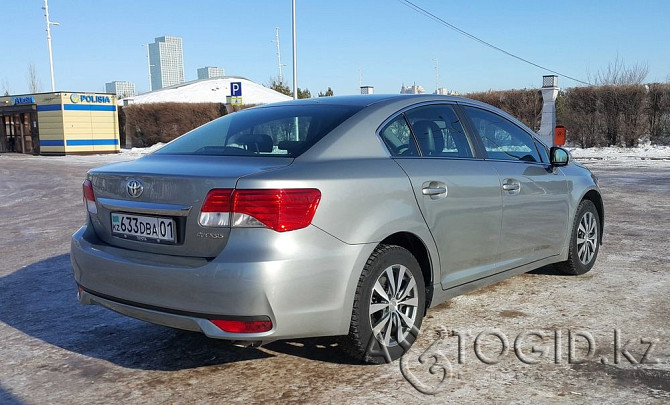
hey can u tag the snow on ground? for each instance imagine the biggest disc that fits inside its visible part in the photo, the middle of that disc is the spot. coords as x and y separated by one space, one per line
645 151
139 152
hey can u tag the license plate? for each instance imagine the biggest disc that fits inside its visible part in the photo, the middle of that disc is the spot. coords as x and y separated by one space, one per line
142 228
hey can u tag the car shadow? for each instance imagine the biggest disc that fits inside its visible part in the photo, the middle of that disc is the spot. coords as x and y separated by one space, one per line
40 301
7 398
327 349
548 270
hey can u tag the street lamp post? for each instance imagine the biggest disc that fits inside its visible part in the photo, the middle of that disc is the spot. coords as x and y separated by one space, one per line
51 58
149 66
295 63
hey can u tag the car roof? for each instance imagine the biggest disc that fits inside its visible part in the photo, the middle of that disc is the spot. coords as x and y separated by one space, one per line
364 100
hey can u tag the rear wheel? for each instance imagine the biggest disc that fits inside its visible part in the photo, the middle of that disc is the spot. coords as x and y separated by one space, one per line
388 307
584 241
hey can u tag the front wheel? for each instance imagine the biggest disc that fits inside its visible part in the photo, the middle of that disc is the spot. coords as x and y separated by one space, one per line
388 307
584 241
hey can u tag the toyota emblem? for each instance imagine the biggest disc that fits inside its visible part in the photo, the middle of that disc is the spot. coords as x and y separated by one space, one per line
134 188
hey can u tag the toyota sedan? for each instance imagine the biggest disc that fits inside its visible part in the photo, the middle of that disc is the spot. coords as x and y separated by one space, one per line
339 216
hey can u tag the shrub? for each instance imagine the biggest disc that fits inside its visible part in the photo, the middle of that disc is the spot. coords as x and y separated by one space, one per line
524 105
583 118
148 124
657 111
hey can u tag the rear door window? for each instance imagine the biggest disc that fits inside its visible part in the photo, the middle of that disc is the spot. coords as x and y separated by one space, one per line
439 132
398 137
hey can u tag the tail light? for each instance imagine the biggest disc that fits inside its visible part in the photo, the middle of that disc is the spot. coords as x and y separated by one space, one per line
278 209
231 326
216 209
89 197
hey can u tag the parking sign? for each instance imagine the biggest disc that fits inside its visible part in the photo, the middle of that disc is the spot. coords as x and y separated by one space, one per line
236 89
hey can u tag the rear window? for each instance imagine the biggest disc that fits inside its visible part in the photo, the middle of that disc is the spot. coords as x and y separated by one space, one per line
282 131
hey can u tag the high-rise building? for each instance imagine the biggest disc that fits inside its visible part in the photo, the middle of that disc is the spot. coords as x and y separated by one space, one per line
166 60
209 72
120 88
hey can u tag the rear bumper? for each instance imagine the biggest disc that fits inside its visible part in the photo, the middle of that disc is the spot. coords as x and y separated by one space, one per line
303 281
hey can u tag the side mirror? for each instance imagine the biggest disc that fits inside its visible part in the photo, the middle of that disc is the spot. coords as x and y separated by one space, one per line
559 135
558 156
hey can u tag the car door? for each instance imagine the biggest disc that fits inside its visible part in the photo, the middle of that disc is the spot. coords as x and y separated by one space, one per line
535 195
459 196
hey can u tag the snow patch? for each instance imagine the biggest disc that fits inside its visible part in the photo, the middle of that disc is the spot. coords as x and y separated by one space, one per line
645 151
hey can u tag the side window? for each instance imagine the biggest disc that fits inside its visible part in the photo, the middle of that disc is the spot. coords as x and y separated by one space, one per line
438 132
398 138
502 139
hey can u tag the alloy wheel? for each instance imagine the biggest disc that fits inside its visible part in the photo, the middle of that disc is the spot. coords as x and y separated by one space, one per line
394 305
587 238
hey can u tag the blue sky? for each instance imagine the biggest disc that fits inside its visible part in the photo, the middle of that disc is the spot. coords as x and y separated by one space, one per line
100 41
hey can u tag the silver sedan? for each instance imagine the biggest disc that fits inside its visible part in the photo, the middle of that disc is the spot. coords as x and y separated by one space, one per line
332 216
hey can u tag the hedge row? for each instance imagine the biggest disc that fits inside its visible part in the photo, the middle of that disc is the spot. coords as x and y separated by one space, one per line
524 105
148 124
593 116
596 116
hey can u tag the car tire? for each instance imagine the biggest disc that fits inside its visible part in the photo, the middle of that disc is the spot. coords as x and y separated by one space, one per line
584 241
388 306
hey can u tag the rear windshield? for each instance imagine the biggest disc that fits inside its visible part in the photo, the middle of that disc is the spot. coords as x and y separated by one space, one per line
282 131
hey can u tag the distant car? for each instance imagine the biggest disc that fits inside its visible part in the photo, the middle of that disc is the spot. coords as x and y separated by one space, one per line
332 216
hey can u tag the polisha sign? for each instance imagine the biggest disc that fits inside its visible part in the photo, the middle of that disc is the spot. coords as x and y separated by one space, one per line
24 100
87 98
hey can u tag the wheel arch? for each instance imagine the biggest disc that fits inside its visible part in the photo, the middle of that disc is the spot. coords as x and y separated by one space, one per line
419 250
597 200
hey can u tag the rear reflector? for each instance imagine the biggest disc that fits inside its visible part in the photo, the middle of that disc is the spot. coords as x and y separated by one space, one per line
278 209
89 197
242 326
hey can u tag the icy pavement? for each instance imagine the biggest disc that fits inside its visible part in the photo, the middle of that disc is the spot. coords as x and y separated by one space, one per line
56 351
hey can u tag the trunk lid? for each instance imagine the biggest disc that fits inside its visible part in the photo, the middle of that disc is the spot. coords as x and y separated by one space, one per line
173 188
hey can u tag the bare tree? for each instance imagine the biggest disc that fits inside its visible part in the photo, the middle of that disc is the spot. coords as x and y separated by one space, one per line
34 84
618 73
6 88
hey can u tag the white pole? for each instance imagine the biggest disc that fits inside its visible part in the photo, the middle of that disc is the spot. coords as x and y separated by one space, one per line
51 59
295 63
149 67
437 75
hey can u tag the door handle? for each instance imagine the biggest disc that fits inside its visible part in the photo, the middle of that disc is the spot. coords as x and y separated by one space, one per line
433 190
510 187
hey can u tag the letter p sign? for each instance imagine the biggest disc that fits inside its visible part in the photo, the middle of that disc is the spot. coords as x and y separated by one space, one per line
236 89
